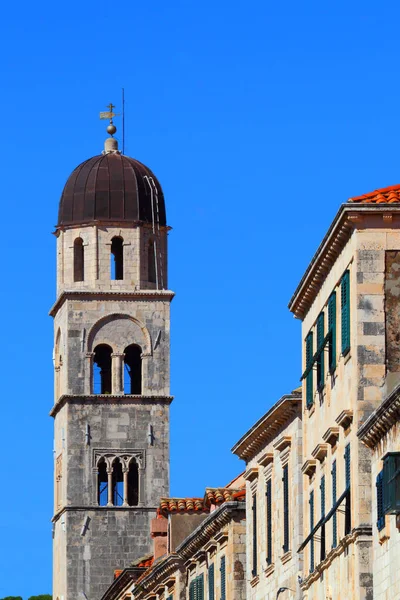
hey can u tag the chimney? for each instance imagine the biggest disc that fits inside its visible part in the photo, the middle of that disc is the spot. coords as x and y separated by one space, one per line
159 529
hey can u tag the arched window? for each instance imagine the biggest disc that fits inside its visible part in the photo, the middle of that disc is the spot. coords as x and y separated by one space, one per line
102 483
117 483
133 484
117 258
133 370
151 263
102 369
79 260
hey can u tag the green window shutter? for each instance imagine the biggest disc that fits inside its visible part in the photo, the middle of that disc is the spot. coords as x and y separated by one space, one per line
309 379
345 298
311 502
320 349
211 582
269 521
254 509
380 523
347 465
322 491
332 331
200 587
391 483
223 579
285 480
334 498
192 590
347 516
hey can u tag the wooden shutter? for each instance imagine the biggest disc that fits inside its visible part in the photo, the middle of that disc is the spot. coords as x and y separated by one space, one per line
309 379
211 582
223 579
254 509
380 523
320 350
345 299
200 587
285 480
334 498
269 521
332 331
311 501
347 516
391 483
322 492
192 590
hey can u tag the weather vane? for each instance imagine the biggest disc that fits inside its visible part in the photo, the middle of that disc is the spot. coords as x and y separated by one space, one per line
111 129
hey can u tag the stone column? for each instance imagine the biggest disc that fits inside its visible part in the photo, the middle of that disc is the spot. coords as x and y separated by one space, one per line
89 374
141 482
125 474
109 489
117 380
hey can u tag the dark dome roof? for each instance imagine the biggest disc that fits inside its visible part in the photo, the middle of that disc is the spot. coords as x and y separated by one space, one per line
108 188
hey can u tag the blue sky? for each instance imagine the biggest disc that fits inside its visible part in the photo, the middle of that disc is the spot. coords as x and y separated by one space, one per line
259 119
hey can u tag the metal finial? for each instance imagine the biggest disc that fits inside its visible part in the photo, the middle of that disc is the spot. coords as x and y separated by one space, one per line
111 129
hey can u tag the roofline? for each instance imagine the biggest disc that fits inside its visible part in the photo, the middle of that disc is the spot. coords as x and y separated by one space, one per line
381 420
332 244
161 568
244 448
128 576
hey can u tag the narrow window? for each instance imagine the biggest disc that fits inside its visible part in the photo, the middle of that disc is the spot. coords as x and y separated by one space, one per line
79 260
347 516
334 498
345 299
151 263
133 484
102 369
117 258
391 483
117 483
311 501
269 521
320 350
380 523
211 582
322 490
192 590
102 483
285 480
223 578
200 587
133 370
254 509
332 331
309 378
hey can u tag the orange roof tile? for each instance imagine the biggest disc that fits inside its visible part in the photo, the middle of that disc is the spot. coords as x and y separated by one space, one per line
387 195
178 505
218 496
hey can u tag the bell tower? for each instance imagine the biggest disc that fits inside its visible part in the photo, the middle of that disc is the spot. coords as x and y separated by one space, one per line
111 360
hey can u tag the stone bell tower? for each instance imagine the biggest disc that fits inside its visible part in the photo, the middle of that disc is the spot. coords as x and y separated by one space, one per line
111 359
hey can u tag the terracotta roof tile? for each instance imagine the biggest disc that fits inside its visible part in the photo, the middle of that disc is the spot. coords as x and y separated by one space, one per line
218 496
180 505
388 195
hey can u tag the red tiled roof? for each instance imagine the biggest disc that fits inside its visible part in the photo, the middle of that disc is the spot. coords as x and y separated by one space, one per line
174 505
388 195
218 496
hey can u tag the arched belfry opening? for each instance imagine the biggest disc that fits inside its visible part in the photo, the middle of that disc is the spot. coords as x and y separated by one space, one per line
79 260
102 483
117 483
133 370
151 262
133 484
102 369
117 258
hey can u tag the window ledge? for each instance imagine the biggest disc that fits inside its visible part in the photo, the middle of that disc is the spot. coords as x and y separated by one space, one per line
254 581
347 357
286 557
311 409
269 570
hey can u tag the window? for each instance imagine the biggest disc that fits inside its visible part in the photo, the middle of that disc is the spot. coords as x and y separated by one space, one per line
133 370
285 480
196 588
151 263
391 483
133 484
345 299
380 523
192 590
223 578
332 331
254 509
334 498
102 369
347 518
311 502
309 377
211 582
117 258
79 260
269 521
320 350
322 491
102 487
117 483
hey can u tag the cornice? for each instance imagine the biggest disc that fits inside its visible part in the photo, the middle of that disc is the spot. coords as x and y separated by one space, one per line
99 223
381 420
266 428
337 236
159 571
119 585
108 399
86 508
109 295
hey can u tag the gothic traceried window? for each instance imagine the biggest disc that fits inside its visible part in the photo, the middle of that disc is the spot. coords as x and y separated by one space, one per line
117 483
102 486
133 370
102 369
133 484
117 480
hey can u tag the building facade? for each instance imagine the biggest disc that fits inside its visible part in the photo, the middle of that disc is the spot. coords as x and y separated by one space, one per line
111 359
272 450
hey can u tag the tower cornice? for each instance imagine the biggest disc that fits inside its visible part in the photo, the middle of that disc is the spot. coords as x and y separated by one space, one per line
109 295
108 399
